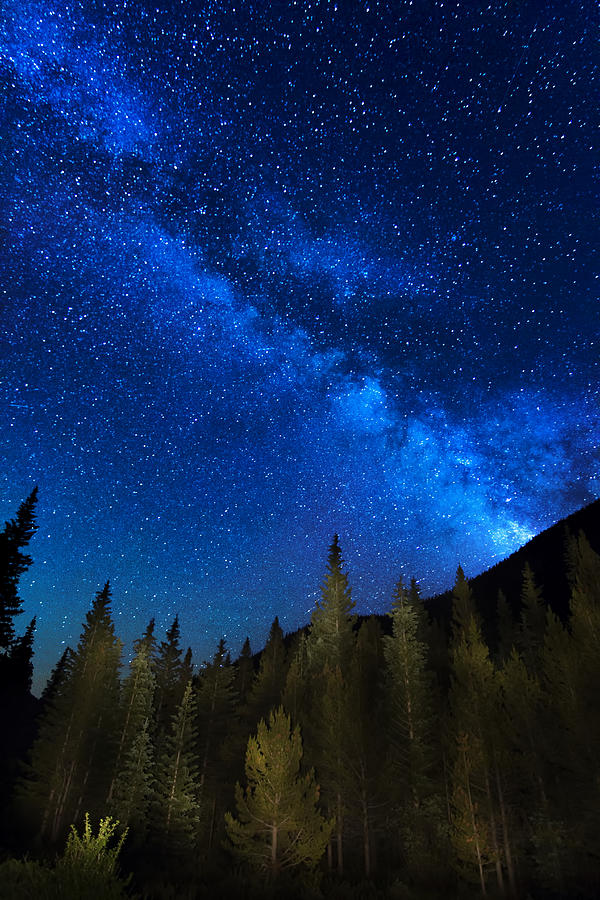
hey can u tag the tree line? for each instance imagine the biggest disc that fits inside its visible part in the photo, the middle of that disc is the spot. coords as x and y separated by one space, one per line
352 759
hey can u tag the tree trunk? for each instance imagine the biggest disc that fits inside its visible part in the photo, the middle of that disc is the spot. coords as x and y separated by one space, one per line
512 880
340 844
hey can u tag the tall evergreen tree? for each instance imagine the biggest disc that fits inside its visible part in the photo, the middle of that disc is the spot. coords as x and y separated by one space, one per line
367 788
331 641
135 709
72 758
533 619
174 812
21 661
168 670
132 789
244 671
14 562
278 825
269 681
475 701
413 752
59 674
148 640
220 743
329 649
463 604
296 693
506 628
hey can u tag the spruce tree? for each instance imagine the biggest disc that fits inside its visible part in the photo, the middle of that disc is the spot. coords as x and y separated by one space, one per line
475 701
506 628
244 671
329 649
14 562
21 661
168 671
413 754
220 742
269 681
73 756
296 690
367 788
58 675
463 604
135 708
409 699
278 825
331 641
533 619
148 640
174 807
132 789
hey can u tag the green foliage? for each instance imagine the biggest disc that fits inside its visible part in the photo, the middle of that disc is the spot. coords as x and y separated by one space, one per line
73 757
26 879
463 604
132 788
87 870
87 857
278 825
221 741
533 618
168 670
269 681
409 691
330 639
132 766
174 813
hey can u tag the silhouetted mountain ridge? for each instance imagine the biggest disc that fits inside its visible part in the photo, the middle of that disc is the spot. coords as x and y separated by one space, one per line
545 553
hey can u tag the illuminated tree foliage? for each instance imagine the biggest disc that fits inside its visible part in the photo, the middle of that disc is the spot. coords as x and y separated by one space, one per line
278 825
73 757
174 810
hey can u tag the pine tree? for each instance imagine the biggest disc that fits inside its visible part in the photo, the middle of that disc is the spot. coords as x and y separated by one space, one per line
168 672
409 691
148 640
187 668
329 649
278 825
533 619
367 788
269 681
469 829
475 701
331 641
135 709
21 661
296 693
571 673
58 675
13 563
174 809
463 605
244 671
506 628
220 743
133 785
72 758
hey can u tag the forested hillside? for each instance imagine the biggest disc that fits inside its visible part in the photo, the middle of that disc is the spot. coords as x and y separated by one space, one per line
423 759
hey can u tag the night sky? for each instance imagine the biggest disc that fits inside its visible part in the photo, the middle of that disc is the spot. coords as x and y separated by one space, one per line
275 270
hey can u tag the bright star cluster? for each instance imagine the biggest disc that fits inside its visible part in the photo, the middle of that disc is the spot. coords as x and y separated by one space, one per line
275 270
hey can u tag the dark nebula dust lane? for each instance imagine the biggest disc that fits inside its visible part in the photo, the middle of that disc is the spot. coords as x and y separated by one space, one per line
272 271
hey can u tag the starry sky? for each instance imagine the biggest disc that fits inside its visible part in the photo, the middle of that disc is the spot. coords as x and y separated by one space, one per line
275 270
